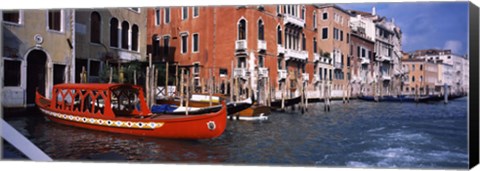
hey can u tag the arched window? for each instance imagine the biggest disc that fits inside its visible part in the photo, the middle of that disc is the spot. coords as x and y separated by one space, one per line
125 27
279 35
304 42
114 32
261 30
135 37
242 30
95 27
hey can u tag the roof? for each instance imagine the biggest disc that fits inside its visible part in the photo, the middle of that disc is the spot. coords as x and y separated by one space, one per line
91 86
332 5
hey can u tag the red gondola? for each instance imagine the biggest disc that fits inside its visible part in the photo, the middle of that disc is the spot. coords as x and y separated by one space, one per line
121 108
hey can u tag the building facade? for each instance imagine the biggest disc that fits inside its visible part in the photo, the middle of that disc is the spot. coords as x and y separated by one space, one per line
334 36
255 44
422 77
37 53
114 36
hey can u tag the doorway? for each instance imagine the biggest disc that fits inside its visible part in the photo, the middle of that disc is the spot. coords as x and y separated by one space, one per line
36 74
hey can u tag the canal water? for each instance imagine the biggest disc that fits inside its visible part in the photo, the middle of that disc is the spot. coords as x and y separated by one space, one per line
360 134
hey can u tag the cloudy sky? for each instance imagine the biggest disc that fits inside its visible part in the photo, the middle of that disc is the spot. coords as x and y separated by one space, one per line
442 25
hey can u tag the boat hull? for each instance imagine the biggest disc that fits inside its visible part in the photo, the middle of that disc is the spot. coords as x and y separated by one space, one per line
192 128
288 102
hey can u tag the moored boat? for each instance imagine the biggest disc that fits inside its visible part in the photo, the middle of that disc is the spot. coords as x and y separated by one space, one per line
121 108
400 98
254 112
287 102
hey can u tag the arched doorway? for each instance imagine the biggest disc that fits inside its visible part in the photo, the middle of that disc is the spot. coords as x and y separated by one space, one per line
36 74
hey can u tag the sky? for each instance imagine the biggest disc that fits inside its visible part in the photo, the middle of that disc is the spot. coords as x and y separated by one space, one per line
440 25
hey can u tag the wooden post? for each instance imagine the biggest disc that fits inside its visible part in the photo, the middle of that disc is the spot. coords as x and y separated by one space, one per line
135 77
155 85
166 80
147 86
188 92
176 78
210 83
181 87
111 75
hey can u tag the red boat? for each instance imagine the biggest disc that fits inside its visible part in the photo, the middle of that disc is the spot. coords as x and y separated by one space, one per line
121 108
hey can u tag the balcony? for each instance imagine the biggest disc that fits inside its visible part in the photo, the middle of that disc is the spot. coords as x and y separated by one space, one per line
383 58
316 57
240 72
386 77
280 50
263 72
282 74
241 45
316 78
365 61
295 54
338 65
305 77
292 20
262 45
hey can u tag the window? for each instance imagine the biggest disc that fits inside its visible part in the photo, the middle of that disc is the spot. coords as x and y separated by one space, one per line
55 20
195 12
157 17
421 67
279 35
114 32
303 12
135 37
314 20
135 9
166 15
196 68
166 45
184 43
125 27
242 30
364 53
278 9
12 16
421 78
341 35
184 13
261 35
95 27
261 61
279 63
315 45
413 78
325 15
223 72
12 77
304 42
195 42
94 68
348 38
320 73
58 74
325 33
413 67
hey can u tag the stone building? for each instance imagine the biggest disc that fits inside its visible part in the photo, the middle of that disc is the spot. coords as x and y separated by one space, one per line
38 52
113 35
421 78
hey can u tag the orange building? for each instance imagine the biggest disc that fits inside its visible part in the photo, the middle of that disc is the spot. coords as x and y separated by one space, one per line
257 42
334 35
422 76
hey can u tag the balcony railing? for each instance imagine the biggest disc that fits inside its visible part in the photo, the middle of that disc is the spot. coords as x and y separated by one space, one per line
338 65
295 54
365 61
280 49
282 74
241 45
383 58
306 77
263 72
262 45
289 19
316 57
240 72
316 78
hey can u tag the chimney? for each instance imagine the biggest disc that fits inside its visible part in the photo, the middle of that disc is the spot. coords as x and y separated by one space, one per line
374 11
